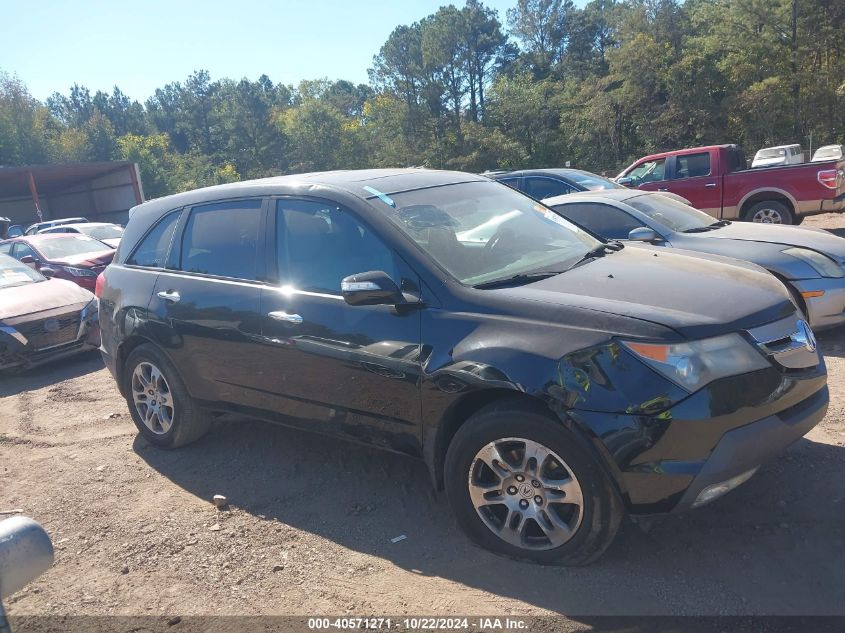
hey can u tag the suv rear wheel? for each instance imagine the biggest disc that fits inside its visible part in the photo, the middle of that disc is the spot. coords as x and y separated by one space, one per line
161 408
522 485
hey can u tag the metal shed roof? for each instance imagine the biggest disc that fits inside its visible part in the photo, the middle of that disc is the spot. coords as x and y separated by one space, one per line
14 181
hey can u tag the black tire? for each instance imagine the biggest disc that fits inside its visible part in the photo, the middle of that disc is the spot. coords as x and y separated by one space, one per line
189 422
771 209
601 512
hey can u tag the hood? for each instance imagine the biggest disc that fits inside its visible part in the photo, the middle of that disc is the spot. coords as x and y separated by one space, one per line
38 297
695 297
817 240
87 260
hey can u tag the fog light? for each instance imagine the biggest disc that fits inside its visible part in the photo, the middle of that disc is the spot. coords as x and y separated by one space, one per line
717 490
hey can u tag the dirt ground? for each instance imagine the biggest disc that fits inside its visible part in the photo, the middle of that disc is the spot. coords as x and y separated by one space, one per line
310 523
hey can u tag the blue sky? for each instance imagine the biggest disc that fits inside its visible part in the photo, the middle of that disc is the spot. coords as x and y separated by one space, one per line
142 45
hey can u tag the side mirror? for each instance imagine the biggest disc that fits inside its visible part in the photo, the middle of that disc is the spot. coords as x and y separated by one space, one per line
642 234
370 289
625 181
29 260
49 273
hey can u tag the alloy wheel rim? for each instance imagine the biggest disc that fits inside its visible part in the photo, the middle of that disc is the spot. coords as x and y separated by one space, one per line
153 398
768 216
525 493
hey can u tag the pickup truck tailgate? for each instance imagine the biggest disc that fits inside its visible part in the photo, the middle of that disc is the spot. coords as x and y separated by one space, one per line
832 178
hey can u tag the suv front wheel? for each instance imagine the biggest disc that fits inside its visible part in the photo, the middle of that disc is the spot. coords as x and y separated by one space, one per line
159 403
523 485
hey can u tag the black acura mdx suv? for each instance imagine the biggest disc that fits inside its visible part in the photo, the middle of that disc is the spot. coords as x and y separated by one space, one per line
550 381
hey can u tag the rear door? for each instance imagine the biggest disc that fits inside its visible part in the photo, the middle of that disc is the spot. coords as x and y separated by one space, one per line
694 176
206 301
327 365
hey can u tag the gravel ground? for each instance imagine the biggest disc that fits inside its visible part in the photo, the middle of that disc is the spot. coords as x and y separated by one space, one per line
309 525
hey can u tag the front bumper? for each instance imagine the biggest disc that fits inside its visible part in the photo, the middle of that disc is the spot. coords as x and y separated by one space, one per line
746 448
32 340
661 462
827 310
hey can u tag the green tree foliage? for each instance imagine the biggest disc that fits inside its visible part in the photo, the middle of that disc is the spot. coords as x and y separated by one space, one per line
596 86
25 125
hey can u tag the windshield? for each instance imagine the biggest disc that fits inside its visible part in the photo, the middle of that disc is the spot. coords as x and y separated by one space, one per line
828 152
14 273
771 153
481 231
107 232
592 182
68 245
674 215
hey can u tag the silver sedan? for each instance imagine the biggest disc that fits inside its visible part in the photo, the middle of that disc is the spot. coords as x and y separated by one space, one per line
810 262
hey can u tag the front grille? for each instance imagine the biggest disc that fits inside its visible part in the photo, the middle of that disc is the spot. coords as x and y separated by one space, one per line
46 333
789 342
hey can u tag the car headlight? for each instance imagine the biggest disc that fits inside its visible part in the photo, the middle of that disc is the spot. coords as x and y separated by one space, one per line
693 364
822 264
79 272
91 310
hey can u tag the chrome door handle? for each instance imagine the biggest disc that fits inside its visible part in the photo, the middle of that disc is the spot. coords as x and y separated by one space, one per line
662 189
283 316
710 185
169 295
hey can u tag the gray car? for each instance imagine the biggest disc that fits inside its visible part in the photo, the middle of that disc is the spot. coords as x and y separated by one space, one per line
810 262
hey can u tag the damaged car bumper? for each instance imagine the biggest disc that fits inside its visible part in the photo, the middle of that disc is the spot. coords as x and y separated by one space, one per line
39 337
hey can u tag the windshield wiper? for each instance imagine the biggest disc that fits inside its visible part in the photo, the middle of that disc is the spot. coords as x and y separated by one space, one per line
599 251
709 227
521 278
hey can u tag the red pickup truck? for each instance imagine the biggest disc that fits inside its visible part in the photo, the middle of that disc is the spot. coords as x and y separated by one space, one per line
716 180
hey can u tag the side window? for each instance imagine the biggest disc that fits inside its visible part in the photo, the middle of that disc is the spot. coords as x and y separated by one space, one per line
693 165
609 222
153 248
318 244
21 250
649 171
542 188
222 239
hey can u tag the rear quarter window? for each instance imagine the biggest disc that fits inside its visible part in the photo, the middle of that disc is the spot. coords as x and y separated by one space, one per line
152 251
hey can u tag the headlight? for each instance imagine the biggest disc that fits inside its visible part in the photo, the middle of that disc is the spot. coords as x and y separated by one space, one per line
91 310
79 272
693 364
822 264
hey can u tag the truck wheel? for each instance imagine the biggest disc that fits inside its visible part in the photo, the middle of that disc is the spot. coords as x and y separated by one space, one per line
770 212
159 403
522 485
